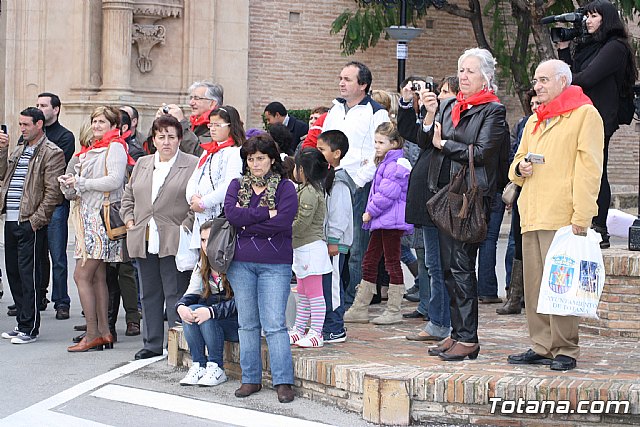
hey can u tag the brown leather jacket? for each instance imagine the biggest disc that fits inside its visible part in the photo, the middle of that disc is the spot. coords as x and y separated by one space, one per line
41 193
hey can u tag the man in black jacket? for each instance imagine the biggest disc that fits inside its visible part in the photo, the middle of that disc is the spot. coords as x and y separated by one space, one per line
58 230
276 113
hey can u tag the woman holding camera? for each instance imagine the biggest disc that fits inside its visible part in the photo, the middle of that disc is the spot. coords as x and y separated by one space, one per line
474 117
603 65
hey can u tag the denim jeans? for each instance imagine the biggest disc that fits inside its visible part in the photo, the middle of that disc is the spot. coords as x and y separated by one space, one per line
57 234
508 258
212 334
261 292
487 280
424 284
406 256
439 323
359 245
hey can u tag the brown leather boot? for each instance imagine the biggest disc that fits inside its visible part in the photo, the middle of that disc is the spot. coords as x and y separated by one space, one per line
513 305
443 346
247 390
460 351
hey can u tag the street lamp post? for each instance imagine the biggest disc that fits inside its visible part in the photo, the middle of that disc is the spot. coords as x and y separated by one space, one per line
402 34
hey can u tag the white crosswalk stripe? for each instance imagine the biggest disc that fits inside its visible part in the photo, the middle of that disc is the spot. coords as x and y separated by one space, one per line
198 408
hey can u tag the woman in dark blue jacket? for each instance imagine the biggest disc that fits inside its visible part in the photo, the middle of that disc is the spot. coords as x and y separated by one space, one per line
209 317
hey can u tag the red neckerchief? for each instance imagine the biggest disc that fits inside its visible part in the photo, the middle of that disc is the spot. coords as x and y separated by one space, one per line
108 138
199 120
213 147
483 97
568 100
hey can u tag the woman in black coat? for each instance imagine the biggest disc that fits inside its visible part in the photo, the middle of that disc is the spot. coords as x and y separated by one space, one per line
475 117
603 65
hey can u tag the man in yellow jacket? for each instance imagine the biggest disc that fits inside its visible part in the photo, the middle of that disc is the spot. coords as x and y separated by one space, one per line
558 166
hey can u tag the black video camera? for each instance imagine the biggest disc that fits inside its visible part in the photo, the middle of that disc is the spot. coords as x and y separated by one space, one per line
560 34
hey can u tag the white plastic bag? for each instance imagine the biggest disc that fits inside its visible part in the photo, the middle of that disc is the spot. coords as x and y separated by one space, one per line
186 258
573 276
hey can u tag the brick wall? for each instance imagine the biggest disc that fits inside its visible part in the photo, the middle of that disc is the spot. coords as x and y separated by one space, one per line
298 63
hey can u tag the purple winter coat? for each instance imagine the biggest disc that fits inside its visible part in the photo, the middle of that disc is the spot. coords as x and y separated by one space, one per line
388 195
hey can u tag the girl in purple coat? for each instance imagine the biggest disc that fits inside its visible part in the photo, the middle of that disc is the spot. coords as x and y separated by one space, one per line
384 217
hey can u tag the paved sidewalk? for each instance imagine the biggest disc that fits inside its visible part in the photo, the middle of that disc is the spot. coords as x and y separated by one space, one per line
608 369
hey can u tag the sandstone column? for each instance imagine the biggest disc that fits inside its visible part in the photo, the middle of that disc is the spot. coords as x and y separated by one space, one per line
117 20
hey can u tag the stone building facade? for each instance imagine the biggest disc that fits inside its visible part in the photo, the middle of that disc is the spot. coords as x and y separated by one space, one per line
147 52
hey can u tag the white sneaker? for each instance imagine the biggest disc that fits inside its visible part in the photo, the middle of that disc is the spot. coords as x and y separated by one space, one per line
193 376
23 338
294 336
11 334
214 375
311 340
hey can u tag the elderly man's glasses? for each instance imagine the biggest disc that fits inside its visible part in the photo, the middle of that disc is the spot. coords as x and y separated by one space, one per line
542 80
199 98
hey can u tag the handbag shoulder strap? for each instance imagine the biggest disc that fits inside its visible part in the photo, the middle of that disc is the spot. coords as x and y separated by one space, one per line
472 169
106 172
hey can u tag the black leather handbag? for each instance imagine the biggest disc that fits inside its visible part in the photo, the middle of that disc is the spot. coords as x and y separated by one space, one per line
457 209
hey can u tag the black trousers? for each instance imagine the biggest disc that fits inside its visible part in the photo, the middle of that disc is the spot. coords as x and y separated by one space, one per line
459 267
23 271
604 196
122 283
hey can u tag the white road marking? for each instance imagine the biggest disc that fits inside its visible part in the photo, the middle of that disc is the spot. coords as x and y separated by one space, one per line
40 413
197 408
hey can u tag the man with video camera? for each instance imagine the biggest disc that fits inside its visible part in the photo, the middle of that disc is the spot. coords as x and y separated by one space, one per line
602 63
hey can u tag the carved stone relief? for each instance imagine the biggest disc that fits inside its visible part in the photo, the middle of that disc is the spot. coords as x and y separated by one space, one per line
146 33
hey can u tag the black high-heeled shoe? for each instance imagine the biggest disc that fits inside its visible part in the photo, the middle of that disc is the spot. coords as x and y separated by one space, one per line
108 341
79 338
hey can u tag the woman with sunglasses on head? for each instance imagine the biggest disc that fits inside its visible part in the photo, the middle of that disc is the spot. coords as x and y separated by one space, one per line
219 164
603 65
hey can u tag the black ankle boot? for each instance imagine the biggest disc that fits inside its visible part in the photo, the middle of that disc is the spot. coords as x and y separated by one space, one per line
605 243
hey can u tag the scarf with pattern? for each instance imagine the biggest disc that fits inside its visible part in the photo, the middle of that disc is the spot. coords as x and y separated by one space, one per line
268 196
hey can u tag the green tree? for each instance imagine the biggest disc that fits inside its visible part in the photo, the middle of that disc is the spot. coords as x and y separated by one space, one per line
516 38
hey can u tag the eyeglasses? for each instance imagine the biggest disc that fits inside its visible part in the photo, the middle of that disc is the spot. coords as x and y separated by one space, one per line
199 98
218 125
542 80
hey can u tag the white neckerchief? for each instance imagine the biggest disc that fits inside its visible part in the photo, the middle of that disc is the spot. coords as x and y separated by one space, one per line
160 172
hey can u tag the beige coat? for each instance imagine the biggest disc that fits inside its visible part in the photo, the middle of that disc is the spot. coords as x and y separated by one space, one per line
169 209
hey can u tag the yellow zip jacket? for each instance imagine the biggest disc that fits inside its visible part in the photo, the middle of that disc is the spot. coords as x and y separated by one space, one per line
564 189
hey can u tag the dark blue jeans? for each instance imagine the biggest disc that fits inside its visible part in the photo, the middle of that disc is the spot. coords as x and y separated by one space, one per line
333 298
487 280
359 245
424 283
212 334
439 313
57 234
